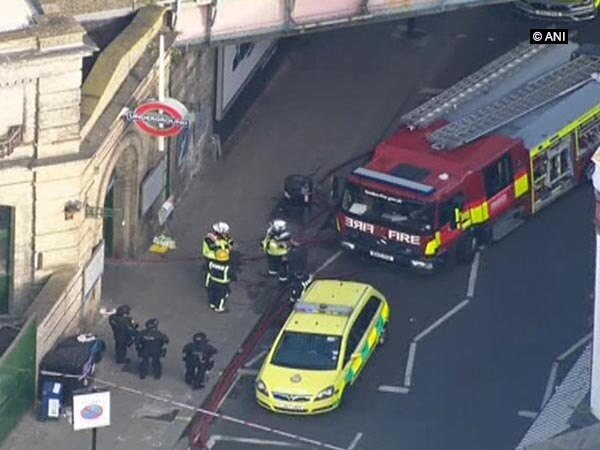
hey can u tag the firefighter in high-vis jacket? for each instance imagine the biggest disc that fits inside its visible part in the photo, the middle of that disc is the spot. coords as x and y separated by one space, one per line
277 245
218 278
216 239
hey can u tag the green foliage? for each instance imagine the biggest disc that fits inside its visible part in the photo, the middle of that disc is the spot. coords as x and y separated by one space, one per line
17 378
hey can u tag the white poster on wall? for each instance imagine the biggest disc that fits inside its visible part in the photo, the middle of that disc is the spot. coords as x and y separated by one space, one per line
153 185
236 66
93 270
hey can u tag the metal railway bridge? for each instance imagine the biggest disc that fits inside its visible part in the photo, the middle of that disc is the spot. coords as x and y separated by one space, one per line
218 22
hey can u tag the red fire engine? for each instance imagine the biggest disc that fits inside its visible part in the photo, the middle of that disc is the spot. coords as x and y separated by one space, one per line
472 163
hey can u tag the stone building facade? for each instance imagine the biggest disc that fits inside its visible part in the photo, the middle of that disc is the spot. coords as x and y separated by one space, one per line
40 80
78 181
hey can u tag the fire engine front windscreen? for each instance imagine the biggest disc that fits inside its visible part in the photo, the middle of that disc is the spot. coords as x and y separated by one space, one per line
386 210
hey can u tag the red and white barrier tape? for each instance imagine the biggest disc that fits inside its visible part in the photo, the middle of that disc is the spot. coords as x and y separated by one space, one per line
226 417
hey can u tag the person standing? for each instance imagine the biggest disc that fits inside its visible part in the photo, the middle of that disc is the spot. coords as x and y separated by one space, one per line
216 239
150 345
197 356
277 245
218 279
124 332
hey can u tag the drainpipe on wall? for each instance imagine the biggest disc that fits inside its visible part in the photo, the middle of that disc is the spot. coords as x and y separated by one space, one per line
595 381
161 82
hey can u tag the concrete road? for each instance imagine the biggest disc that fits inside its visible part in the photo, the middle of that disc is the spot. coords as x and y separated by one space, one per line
530 293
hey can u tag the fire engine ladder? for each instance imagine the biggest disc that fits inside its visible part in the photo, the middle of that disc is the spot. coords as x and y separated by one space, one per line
561 81
467 88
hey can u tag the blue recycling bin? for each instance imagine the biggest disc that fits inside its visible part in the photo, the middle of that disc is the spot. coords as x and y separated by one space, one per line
51 401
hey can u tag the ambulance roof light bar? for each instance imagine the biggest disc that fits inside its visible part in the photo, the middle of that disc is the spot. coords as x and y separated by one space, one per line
314 308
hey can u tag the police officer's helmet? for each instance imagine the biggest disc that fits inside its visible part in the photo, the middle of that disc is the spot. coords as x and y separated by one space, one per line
199 338
152 324
221 228
279 226
222 255
124 310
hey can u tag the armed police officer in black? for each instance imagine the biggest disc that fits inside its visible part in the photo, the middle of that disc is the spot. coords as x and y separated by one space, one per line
124 332
197 356
151 347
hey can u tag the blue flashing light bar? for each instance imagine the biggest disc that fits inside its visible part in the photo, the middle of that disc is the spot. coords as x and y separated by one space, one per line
313 308
395 181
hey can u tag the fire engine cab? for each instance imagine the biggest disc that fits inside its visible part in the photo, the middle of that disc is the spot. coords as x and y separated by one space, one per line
472 163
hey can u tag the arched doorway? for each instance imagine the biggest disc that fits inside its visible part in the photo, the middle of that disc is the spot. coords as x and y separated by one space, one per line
120 205
108 225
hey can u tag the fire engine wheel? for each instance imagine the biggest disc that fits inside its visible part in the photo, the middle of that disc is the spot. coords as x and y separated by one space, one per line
465 248
589 171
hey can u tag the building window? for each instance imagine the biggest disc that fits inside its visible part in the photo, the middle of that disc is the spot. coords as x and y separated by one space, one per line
6 232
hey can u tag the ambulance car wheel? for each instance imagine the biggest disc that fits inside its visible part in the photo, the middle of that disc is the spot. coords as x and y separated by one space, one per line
465 249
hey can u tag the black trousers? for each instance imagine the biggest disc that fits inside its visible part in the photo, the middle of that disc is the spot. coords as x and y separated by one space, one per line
145 363
194 375
277 265
120 350
217 294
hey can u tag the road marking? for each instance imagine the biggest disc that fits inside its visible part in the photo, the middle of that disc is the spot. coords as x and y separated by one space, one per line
252 361
473 276
409 365
574 347
393 389
412 351
527 414
553 370
211 442
235 380
354 441
217 437
549 384
329 260
441 320
248 372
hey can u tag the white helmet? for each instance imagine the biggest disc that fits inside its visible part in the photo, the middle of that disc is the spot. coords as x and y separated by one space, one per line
279 226
221 228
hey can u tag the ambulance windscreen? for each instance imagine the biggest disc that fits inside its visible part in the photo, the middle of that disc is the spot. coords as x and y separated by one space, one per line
307 351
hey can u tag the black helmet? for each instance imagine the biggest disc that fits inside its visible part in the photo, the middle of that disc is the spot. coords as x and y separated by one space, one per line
199 338
152 324
124 310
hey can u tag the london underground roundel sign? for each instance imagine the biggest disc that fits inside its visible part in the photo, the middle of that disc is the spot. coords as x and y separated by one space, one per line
165 118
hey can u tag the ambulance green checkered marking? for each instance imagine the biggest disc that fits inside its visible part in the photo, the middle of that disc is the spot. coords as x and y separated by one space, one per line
366 350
